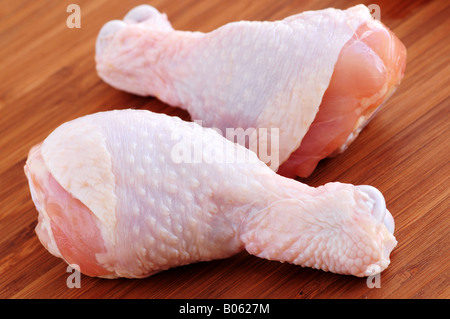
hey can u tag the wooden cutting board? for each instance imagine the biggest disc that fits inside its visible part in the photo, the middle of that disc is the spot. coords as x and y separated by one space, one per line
47 77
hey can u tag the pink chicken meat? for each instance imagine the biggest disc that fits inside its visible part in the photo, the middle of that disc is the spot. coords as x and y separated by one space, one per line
118 197
318 77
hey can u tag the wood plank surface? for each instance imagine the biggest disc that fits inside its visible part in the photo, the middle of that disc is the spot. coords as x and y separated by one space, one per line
47 77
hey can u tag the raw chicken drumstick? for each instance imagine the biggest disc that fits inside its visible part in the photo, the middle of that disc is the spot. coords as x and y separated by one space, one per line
130 193
318 76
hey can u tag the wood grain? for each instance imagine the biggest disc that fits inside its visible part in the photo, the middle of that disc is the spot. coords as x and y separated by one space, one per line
48 77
